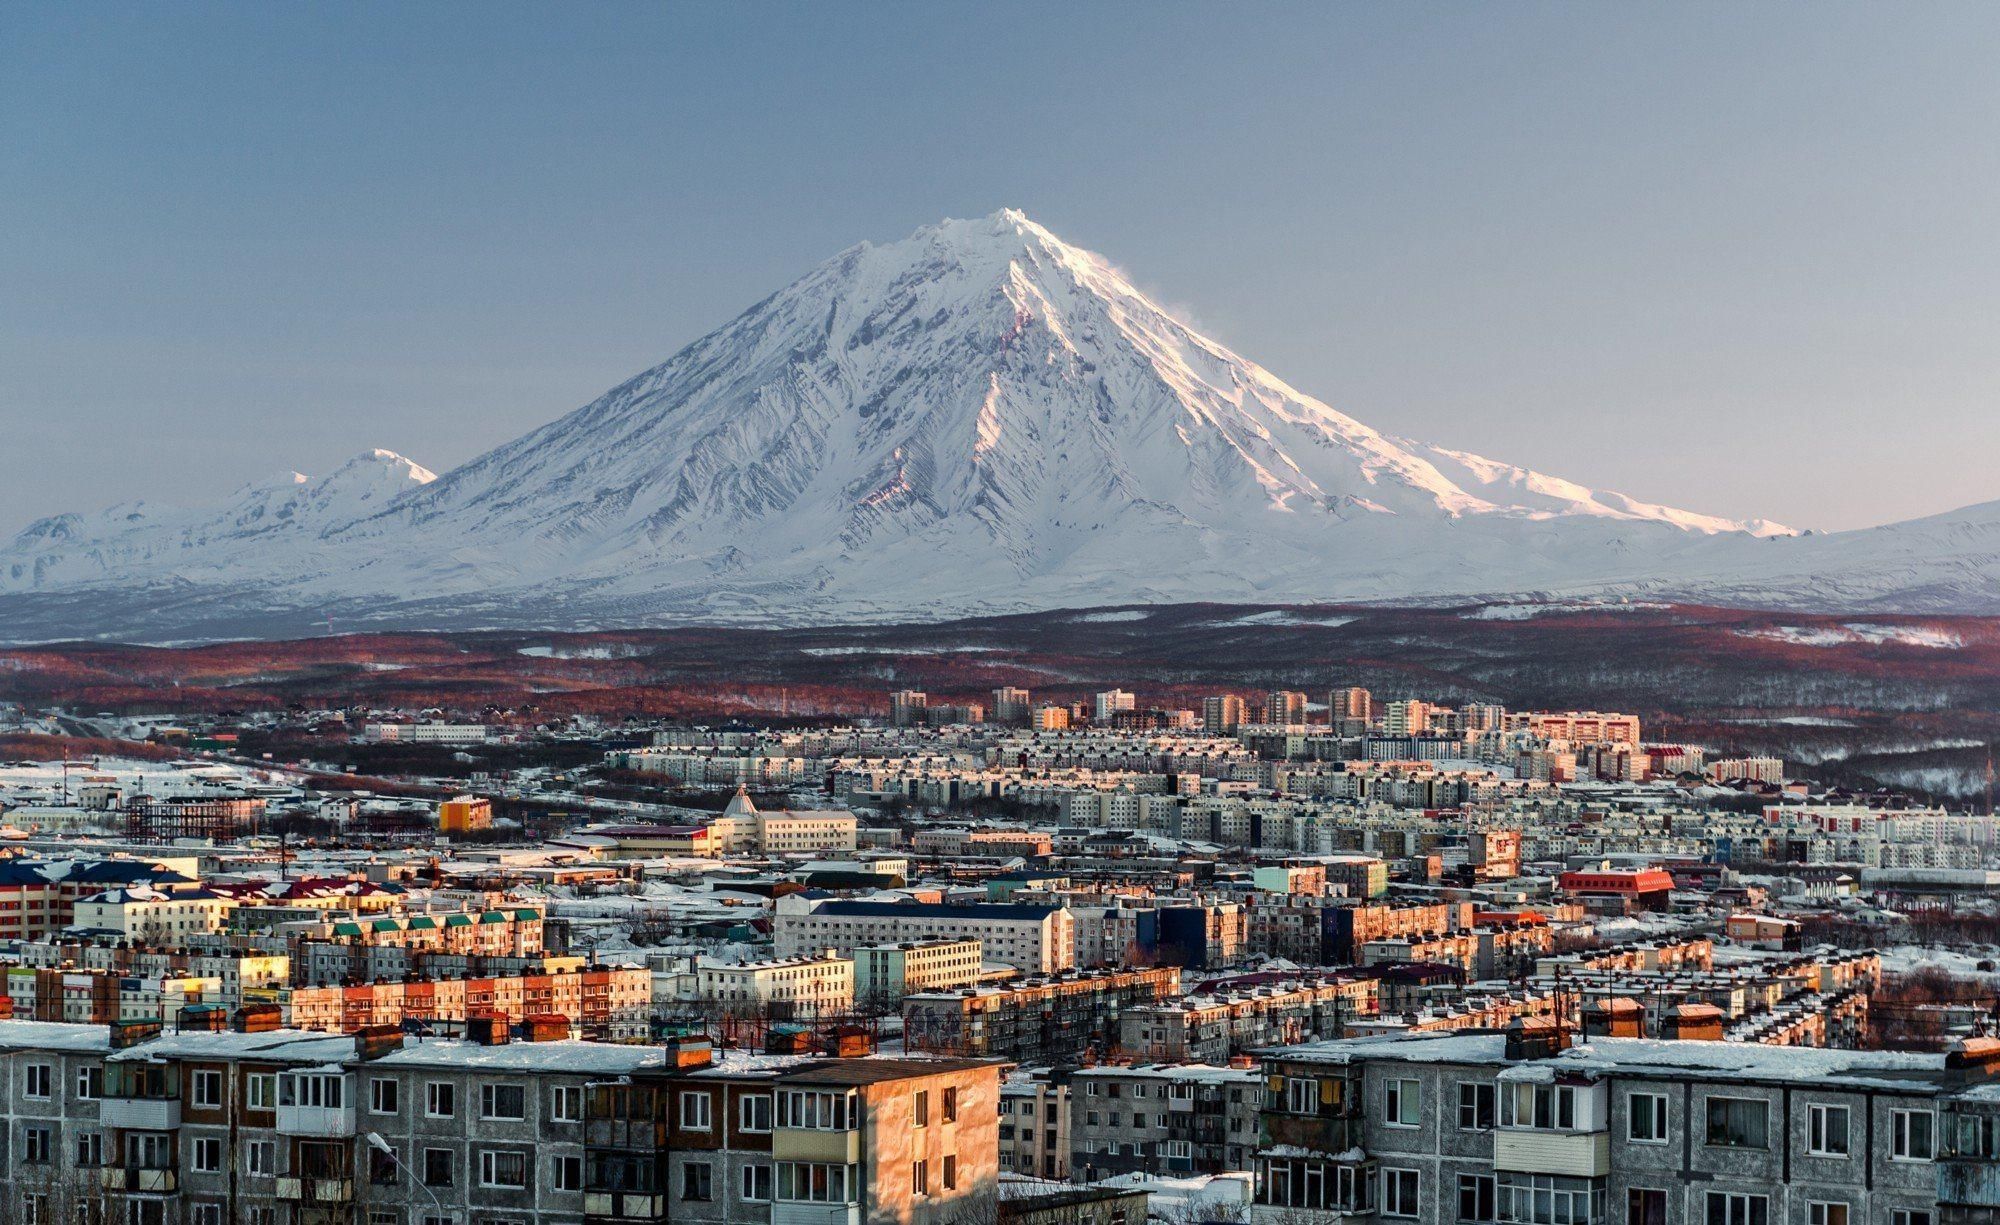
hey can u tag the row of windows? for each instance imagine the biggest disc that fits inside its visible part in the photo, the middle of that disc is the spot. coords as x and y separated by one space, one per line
1728 1122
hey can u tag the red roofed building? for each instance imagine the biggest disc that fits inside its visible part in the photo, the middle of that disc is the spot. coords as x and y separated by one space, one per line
1620 890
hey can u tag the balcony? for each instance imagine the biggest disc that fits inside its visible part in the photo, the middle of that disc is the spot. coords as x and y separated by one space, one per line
789 1212
1969 1182
325 1122
145 1181
140 1113
800 1144
317 1190
624 1206
1575 1154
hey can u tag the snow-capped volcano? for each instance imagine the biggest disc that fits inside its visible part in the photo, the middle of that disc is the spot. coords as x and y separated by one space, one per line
980 417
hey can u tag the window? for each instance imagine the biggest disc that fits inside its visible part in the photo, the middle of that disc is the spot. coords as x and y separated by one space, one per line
1475 1109
920 1114
567 1173
1645 1206
1399 1103
383 1096
1543 1107
321 1090
90 1082
437 1167
814 1110
1908 1217
1732 1208
566 1106
207 1157
1910 1134
950 1104
695 1111
920 1177
37 1142
207 1214
1826 1214
1399 1193
35 1209
1544 1199
39 1081
260 1090
1646 1118
1738 1122
440 1100
1301 1095
90 1149
1826 1131
818 1182
753 1112
508 1103
499 1168
1476 1197
950 1171
697 1182
757 1183
205 1089
260 1157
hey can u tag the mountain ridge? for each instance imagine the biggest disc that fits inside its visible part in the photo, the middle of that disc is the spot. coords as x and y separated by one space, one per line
979 417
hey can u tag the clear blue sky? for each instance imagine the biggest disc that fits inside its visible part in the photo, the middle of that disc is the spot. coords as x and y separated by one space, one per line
1736 257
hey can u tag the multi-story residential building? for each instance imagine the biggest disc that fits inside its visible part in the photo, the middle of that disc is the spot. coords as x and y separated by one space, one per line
1211 1026
1285 708
907 706
1051 1019
1223 714
426 733
127 1126
885 973
1112 702
153 915
1492 1127
784 987
38 897
1173 1119
1034 1123
608 1002
863 1141
1011 705
1034 939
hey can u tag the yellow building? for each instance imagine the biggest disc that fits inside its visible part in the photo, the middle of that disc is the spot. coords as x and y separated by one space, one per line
465 814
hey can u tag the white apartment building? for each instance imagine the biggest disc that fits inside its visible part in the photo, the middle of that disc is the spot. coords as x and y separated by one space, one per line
822 984
1034 939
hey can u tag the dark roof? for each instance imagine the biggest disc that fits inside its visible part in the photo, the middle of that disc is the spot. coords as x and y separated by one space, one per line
874 1071
936 910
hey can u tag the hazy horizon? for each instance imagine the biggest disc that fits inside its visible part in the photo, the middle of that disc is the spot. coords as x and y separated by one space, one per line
1731 259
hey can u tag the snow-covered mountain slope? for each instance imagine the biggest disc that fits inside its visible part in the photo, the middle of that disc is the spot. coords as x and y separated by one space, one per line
1947 563
977 418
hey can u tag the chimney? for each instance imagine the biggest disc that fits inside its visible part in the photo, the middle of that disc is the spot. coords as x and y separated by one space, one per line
259 1018
487 1028
375 1041
126 1034
545 1027
1614 1018
1695 1023
203 1019
1534 1038
686 1051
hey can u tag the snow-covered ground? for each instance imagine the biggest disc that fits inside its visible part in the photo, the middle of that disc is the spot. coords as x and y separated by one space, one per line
1858 632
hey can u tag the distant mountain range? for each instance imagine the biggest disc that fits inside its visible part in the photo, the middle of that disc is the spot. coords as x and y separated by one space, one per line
980 418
